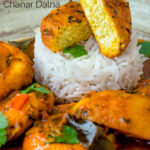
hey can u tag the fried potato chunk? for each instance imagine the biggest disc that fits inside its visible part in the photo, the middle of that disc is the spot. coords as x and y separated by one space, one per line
64 27
15 69
110 21
127 113
22 113
38 137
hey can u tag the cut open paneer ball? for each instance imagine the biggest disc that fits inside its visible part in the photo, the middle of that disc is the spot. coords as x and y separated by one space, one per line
110 21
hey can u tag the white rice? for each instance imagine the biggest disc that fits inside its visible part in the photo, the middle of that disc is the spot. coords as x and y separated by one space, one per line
70 78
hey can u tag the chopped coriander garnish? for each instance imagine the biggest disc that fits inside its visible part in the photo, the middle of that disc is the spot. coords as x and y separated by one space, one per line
69 136
145 49
3 125
76 51
33 87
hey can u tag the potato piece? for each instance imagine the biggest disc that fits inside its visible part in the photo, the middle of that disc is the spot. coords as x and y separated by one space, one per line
64 27
20 120
110 21
15 69
127 113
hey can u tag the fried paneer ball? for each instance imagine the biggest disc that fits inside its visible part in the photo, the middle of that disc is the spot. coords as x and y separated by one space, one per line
65 27
110 21
15 69
127 113
22 110
40 136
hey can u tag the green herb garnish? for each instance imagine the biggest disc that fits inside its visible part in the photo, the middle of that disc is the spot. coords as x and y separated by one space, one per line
145 49
69 136
33 87
3 125
76 51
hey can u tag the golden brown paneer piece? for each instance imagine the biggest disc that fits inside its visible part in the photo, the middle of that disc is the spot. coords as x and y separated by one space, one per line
110 21
15 69
127 113
22 110
65 27
41 135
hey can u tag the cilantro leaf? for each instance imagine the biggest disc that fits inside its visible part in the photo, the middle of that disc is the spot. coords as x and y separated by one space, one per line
3 125
3 132
76 51
145 49
33 87
3 121
69 136
42 90
3 140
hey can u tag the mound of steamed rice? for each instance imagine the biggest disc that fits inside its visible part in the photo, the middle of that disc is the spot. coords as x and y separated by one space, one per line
70 78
